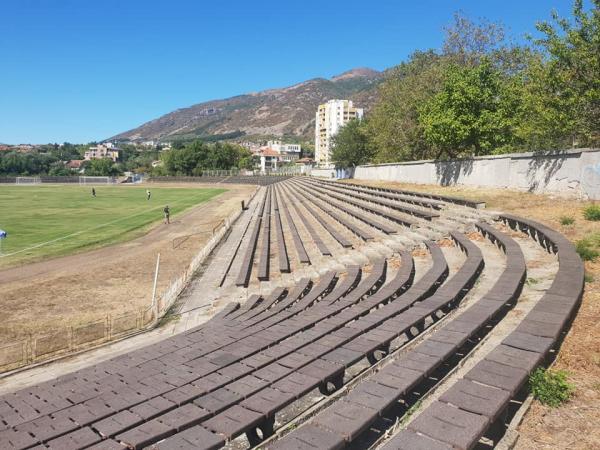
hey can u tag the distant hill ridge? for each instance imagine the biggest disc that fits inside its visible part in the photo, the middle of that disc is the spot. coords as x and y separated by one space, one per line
287 111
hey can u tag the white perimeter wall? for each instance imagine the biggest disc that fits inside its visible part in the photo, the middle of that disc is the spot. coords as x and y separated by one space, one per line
570 173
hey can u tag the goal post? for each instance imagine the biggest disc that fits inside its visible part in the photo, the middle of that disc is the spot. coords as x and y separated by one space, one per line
96 180
28 180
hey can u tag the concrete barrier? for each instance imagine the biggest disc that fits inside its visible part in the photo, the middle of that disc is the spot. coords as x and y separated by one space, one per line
571 173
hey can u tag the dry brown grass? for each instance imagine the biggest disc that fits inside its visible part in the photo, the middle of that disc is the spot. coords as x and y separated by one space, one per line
446 243
394 263
49 296
575 424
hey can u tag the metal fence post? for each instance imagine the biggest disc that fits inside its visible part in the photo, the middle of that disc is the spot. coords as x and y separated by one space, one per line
154 287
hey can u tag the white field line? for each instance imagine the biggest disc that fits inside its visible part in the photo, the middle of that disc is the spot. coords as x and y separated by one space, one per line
42 244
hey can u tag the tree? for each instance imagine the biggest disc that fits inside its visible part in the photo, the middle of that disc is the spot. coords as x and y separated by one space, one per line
101 168
473 114
393 126
351 145
562 94
467 42
197 156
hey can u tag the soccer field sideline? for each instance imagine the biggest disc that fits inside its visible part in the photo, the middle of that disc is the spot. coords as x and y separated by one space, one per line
187 202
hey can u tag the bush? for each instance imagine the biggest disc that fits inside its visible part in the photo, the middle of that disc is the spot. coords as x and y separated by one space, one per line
586 250
567 220
588 278
550 387
592 212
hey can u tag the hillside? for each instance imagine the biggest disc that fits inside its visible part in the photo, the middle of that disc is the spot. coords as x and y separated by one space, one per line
286 111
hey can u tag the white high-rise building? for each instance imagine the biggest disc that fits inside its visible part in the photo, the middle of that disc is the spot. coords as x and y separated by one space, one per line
330 117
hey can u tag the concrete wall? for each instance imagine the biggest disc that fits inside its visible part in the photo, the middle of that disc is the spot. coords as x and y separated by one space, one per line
569 173
322 173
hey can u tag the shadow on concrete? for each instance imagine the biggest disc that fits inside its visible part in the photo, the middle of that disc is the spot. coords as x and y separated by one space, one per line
449 172
547 162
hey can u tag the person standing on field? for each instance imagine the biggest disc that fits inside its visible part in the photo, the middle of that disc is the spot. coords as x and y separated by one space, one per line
167 214
148 194
93 192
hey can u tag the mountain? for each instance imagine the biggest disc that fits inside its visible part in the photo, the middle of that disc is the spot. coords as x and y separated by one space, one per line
288 111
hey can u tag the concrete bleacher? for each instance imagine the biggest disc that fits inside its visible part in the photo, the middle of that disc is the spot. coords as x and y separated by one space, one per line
356 298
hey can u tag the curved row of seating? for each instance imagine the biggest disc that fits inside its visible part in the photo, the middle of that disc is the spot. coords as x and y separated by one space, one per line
374 335
366 206
478 402
385 194
311 231
424 195
122 398
329 205
264 258
331 199
396 203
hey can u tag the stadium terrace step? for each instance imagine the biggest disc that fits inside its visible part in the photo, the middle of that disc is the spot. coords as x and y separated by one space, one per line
398 379
422 213
298 245
482 396
311 231
423 195
235 374
433 204
332 200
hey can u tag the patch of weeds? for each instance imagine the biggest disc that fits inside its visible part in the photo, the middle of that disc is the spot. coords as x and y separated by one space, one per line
566 220
531 281
592 212
410 411
588 277
550 387
585 249
169 318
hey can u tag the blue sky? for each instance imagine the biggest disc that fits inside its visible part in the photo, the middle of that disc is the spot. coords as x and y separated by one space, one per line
82 70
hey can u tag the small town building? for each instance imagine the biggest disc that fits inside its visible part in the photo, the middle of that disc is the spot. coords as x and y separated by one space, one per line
330 117
103 151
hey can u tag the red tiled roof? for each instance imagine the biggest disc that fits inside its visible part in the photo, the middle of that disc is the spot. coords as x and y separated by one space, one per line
269 152
75 163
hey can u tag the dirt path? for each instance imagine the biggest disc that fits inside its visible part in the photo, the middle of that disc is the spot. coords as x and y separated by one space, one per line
40 297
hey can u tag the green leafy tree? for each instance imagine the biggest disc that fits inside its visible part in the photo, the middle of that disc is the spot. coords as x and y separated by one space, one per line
198 155
101 168
473 114
351 145
562 94
393 126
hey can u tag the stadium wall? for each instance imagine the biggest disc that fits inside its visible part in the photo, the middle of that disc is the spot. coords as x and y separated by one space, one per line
569 173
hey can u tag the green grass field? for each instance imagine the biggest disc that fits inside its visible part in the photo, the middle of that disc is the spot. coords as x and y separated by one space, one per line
44 221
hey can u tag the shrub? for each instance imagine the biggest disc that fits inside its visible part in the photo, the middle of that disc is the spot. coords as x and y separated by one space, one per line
586 250
592 212
567 220
550 387
588 278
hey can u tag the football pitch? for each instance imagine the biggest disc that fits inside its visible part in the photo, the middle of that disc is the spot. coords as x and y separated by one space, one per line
51 220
